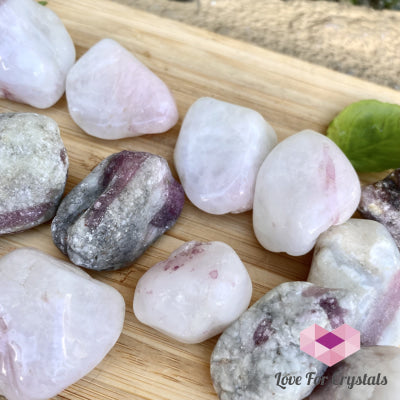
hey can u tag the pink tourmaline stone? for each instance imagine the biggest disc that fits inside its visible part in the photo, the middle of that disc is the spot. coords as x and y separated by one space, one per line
112 95
194 294
219 151
305 185
36 53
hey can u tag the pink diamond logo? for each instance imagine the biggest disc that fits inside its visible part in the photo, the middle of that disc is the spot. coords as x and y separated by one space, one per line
330 347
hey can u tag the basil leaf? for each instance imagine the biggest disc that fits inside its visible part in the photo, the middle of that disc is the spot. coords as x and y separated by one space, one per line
43 3
368 132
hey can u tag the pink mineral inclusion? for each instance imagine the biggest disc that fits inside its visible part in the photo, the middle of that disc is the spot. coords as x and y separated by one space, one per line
119 171
382 313
213 274
25 216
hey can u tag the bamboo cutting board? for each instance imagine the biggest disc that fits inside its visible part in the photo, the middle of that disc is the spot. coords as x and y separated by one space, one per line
292 95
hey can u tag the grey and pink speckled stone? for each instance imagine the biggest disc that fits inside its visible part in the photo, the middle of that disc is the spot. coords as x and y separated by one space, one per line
265 341
33 170
126 203
361 256
380 201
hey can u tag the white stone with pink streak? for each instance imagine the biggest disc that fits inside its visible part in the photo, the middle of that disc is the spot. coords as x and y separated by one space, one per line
305 185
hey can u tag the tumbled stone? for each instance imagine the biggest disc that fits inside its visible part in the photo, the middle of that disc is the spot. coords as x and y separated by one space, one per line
265 341
381 202
36 53
112 95
125 204
56 324
305 185
219 151
194 294
33 170
361 256
370 374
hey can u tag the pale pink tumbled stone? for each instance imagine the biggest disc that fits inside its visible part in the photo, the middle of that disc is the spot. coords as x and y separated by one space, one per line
194 294
56 324
112 95
305 185
219 151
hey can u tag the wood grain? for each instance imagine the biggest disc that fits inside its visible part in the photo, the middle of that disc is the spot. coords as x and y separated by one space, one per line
292 95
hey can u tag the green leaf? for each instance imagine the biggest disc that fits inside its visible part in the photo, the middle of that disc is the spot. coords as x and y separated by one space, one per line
368 132
43 3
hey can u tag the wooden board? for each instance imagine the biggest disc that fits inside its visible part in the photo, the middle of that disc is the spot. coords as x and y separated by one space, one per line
292 95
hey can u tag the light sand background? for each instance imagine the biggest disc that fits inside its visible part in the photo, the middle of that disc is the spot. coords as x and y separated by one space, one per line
355 40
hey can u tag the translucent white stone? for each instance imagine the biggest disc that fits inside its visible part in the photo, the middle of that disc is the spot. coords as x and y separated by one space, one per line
361 256
219 150
195 294
56 324
36 53
305 185
112 95
370 374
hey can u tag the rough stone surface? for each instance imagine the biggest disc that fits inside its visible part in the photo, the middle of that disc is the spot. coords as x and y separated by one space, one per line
112 95
361 256
305 185
219 151
370 374
33 170
56 324
110 218
265 340
194 294
381 201
36 53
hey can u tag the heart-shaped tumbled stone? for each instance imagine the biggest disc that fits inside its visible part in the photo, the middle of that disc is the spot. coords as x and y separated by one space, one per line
361 256
112 95
196 293
305 185
56 324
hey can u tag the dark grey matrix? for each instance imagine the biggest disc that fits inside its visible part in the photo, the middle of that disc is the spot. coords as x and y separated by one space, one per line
109 219
33 170
265 341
